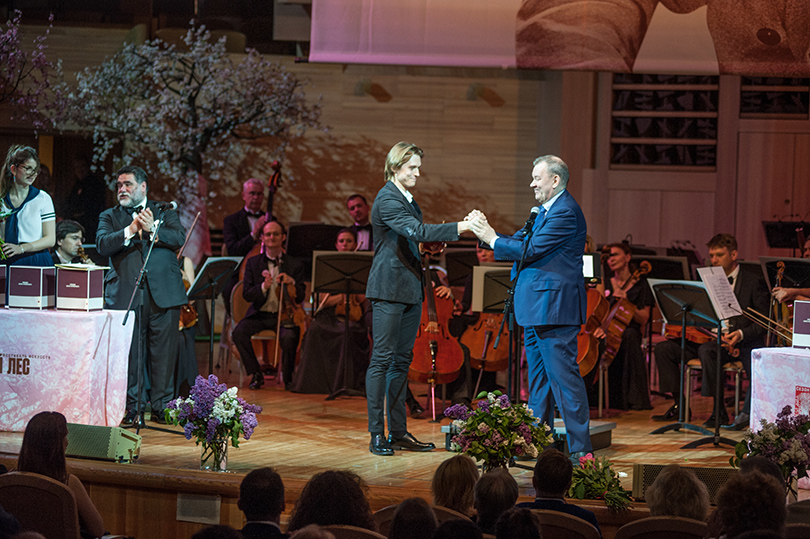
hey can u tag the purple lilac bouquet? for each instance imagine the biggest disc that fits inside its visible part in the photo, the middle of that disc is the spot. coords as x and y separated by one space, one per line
213 411
497 430
785 443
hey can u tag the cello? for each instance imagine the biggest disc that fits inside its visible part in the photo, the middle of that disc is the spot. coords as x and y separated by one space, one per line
437 356
587 344
480 337
620 317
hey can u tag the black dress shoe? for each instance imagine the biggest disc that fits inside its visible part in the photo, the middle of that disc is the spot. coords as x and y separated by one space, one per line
409 443
258 381
710 423
415 408
742 421
159 416
670 415
379 445
129 419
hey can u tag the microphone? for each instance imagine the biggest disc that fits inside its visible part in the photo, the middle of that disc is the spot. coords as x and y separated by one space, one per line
163 206
530 221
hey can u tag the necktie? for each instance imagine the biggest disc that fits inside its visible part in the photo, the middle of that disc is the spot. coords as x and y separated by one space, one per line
274 261
256 215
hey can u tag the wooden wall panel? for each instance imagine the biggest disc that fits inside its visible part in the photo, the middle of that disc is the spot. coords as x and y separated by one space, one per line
635 213
764 188
687 215
801 178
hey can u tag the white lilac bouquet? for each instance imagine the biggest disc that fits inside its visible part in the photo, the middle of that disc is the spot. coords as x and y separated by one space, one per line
213 412
496 431
786 443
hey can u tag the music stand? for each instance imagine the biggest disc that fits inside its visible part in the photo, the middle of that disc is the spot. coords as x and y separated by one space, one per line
683 303
208 285
459 264
342 273
490 289
303 239
783 234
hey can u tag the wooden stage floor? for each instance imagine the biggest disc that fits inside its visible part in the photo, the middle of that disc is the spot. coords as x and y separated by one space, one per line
301 435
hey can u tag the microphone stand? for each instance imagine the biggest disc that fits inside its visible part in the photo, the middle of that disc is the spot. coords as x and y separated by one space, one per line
139 286
513 365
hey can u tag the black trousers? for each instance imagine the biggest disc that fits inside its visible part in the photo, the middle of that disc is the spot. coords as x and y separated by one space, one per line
256 323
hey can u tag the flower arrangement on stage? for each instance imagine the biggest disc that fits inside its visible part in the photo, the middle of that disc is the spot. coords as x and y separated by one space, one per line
785 443
496 431
595 479
213 414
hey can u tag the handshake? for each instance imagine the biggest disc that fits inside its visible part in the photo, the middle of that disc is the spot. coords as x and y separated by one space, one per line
476 222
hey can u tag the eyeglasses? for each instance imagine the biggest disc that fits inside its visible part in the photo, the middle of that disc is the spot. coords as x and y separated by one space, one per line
29 170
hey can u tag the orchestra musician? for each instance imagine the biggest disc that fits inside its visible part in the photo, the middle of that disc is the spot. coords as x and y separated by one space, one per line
242 230
783 294
550 300
264 273
124 235
396 293
321 368
627 374
69 238
742 333
359 210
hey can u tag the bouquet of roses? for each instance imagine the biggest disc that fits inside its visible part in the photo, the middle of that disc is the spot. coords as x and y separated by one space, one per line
496 431
595 479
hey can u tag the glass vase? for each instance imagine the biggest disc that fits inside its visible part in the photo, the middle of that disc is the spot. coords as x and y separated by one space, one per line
214 455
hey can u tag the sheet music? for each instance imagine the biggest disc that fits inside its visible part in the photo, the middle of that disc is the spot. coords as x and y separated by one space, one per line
720 292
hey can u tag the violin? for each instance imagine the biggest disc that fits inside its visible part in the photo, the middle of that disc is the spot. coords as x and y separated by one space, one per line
620 317
480 337
587 344
83 256
355 308
437 356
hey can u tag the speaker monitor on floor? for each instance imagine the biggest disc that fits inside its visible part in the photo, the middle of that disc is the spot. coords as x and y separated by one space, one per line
102 443
713 478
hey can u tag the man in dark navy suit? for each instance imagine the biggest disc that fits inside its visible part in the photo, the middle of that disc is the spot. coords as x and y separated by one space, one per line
550 299
123 235
396 292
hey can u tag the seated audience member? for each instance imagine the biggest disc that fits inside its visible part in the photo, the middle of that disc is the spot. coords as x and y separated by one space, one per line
219 531
457 528
553 474
313 531
333 497
750 501
264 273
413 519
762 465
677 492
9 527
261 499
495 493
28 535
518 523
760 534
69 237
322 365
43 452
453 483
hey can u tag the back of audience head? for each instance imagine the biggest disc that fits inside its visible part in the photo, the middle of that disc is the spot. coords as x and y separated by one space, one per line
495 492
458 528
751 501
333 497
553 473
762 465
219 531
413 519
261 495
677 492
312 531
518 523
453 483
43 446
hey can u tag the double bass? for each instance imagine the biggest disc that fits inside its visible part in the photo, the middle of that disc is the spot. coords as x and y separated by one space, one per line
437 356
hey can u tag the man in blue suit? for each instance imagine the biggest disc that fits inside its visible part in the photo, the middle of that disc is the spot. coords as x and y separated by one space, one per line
550 299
